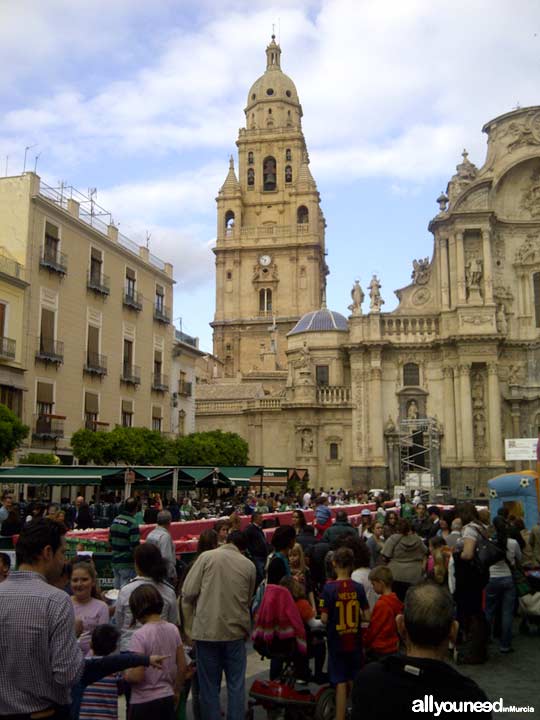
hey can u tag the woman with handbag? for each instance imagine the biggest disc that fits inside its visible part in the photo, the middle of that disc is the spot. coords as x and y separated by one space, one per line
501 590
470 584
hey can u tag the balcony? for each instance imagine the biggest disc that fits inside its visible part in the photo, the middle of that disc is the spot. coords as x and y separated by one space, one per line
7 348
133 300
95 425
95 364
399 328
185 389
333 395
50 351
53 260
131 374
11 267
98 283
162 314
48 427
160 382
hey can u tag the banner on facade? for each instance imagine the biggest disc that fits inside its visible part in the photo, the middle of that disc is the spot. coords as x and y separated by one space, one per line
520 449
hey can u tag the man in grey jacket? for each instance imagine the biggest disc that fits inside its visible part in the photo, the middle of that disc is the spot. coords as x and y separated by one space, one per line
218 589
161 536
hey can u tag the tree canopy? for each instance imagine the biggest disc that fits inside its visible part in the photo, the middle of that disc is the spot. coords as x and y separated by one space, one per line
12 432
141 446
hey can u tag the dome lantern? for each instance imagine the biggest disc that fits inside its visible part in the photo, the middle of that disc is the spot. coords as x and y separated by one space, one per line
273 55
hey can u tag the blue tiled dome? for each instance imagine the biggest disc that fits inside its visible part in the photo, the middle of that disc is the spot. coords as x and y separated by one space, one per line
323 320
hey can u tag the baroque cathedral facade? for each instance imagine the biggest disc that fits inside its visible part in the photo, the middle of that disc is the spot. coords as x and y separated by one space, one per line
428 391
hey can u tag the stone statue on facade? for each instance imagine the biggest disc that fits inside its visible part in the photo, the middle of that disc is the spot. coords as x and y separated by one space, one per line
412 410
357 295
390 426
421 271
473 273
502 323
375 295
306 442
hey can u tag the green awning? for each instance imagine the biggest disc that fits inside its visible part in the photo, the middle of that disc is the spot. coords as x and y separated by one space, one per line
241 476
57 474
204 477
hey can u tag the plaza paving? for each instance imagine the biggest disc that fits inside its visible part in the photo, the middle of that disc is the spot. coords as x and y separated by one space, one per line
514 677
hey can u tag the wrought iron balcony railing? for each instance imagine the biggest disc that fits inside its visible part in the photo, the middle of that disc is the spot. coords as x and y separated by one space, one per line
53 260
131 374
133 300
162 314
50 351
98 283
160 382
7 348
95 364
48 427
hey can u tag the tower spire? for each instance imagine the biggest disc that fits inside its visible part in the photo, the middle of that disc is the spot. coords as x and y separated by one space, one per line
273 54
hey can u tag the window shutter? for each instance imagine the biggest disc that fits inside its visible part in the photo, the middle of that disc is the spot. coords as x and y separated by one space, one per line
156 411
93 339
127 406
2 319
47 324
45 393
91 403
130 274
96 254
51 230
157 356
160 290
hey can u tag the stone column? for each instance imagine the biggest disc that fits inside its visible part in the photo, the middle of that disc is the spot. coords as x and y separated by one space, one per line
494 406
376 431
460 270
466 412
358 435
488 267
443 269
449 414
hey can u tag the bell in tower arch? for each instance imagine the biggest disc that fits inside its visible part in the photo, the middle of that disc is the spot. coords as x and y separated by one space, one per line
269 173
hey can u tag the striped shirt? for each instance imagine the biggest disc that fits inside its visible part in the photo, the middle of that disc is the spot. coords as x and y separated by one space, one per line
40 658
124 537
100 700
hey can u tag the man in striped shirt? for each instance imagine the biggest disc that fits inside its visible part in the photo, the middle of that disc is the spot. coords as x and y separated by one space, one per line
40 659
124 537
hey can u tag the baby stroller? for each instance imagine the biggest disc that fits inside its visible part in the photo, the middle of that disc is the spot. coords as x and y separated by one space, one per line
529 605
279 634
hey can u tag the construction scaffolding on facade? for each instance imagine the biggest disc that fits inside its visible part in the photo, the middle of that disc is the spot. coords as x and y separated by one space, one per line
419 453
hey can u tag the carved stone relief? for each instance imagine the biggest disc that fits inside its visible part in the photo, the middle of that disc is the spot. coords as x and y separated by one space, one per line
421 271
529 252
523 132
421 296
530 198
475 200
479 412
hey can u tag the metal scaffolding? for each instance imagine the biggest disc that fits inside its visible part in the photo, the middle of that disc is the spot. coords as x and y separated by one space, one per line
419 453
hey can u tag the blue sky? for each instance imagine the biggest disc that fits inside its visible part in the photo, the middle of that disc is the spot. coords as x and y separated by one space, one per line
143 100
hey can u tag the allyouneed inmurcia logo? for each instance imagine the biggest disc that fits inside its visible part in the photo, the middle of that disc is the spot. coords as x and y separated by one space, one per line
428 704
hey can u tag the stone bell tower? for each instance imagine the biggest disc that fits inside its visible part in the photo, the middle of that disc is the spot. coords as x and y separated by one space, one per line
270 252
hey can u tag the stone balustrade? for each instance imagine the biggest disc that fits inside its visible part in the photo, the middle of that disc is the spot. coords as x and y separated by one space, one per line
400 328
333 395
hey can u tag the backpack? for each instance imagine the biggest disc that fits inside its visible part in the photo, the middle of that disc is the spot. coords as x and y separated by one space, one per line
486 554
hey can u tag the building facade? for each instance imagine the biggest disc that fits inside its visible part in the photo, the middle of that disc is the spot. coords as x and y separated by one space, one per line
431 388
185 356
96 324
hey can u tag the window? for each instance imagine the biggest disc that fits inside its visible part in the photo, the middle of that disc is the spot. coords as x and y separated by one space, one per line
536 285
2 318
160 295
52 241
92 348
158 363
288 154
322 374
156 418
411 374
302 215
46 340
130 283
96 265
127 413
251 177
44 398
269 173
229 221
334 451
128 356
229 275
91 410
250 158
265 300
288 174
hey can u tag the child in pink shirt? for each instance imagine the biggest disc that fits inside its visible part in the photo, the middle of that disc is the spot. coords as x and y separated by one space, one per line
155 692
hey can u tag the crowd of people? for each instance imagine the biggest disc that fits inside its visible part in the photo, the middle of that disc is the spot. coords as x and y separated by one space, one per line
382 604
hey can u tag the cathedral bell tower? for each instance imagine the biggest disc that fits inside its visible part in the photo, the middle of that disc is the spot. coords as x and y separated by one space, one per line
270 253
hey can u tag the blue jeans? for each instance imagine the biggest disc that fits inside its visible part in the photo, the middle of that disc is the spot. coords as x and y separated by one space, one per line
122 576
214 658
501 591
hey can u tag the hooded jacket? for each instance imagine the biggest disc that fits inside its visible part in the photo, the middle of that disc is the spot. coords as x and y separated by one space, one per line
406 554
382 635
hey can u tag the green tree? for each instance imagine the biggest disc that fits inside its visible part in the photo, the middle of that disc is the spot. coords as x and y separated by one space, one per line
129 446
212 448
12 432
39 459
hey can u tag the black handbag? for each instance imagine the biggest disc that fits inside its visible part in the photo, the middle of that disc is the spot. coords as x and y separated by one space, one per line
486 553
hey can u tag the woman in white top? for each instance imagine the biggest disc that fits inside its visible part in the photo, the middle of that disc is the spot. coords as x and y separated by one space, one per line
152 570
501 590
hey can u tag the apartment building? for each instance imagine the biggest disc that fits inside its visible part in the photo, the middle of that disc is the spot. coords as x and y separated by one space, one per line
12 292
96 321
185 356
